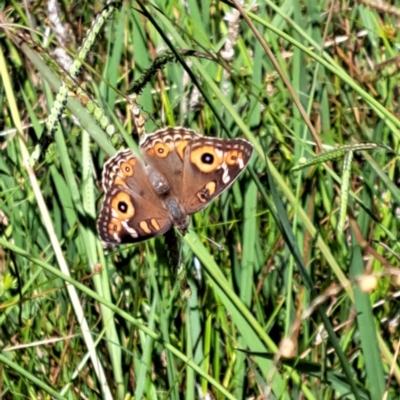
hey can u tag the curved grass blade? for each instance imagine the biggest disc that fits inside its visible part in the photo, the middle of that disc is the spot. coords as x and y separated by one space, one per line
48 223
117 310
23 372
253 334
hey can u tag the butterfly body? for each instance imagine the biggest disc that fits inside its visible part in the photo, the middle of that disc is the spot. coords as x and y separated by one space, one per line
182 173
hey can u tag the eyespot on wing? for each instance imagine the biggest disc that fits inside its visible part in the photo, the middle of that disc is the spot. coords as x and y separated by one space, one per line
206 158
122 206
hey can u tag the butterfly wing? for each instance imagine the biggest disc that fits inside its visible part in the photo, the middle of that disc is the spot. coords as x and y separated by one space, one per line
197 168
164 150
132 211
211 166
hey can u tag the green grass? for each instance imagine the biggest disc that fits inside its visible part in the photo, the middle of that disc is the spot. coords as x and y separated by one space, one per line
278 307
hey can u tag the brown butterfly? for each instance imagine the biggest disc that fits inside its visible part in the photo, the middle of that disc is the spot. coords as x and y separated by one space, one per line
183 172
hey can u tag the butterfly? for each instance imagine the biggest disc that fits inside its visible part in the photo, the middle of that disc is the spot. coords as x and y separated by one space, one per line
181 174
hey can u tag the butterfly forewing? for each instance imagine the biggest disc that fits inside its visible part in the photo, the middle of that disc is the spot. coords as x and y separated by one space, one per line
211 166
131 211
164 150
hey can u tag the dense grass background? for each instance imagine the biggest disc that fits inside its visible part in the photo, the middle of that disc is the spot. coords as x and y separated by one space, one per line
283 304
